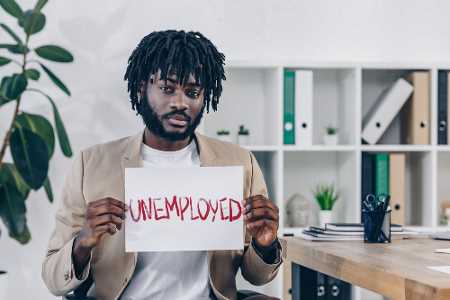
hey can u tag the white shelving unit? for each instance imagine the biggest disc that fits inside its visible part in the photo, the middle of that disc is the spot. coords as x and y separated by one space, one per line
343 94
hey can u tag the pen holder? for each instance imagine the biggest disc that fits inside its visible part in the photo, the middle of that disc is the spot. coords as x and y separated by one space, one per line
377 226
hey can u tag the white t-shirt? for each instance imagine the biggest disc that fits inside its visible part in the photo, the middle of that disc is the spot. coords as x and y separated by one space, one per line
170 275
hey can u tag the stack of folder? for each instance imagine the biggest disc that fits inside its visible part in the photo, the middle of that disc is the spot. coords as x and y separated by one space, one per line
385 173
409 97
443 104
347 232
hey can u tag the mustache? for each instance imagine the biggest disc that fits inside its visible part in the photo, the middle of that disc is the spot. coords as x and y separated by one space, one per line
177 113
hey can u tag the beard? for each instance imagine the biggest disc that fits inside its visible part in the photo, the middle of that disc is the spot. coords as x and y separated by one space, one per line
154 123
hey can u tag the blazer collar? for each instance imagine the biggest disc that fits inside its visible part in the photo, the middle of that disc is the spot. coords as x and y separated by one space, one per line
132 156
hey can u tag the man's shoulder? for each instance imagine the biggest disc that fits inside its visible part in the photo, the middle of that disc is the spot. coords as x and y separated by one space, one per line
226 149
112 148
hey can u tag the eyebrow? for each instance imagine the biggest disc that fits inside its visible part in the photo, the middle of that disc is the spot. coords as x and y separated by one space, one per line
174 81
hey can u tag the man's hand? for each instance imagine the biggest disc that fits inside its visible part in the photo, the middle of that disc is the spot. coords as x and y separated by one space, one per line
102 216
261 219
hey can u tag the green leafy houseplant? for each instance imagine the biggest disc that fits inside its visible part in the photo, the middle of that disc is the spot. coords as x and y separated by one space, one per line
331 130
30 137
326 196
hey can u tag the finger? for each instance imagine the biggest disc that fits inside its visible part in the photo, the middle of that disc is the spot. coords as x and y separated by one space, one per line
260 203
106 209
107 228
108 218
108 200
261 213
261 223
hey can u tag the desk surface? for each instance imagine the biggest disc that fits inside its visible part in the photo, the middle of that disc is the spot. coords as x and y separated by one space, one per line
397 270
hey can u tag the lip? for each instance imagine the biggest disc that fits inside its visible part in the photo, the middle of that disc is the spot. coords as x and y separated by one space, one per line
177 121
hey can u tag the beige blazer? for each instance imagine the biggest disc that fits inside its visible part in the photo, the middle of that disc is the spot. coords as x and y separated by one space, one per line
98 172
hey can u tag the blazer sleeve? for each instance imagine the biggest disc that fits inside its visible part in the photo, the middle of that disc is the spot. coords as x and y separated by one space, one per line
57 269
253 267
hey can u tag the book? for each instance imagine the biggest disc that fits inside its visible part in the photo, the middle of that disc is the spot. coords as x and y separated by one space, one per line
382 174
385 109
442 107
289 108
416 116
397 186
358 227
304 108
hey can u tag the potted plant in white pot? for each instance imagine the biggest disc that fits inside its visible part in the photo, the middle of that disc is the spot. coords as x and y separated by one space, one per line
243 137
224 135
30 138
326 196
330 138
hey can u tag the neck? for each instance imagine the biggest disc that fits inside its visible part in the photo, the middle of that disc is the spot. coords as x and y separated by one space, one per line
159 143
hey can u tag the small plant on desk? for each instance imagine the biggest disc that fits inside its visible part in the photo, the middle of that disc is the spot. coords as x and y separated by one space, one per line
326 196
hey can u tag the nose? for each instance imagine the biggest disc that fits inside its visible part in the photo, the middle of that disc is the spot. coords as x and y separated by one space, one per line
178 102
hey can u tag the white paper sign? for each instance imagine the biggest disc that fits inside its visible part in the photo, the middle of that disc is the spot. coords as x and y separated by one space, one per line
184 209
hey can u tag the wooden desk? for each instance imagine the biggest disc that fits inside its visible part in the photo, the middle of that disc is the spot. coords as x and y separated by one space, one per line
397 270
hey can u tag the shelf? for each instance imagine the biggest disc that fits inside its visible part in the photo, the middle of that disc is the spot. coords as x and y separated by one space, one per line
319 148
396 148
261 148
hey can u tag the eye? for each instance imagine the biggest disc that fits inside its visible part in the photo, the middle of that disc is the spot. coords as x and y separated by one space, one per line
194 94
166 89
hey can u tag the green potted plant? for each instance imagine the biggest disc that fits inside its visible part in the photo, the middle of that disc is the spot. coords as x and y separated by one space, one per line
243 137
224 135
326 196
30 138
330 137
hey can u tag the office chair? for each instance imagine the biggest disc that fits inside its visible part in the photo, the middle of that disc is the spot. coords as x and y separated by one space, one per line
80 293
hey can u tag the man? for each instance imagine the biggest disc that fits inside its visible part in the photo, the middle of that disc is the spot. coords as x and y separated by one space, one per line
172 77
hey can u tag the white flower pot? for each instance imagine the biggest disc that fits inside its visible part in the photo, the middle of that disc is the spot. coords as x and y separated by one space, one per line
225 138
324 217
243 139
330 140
3 285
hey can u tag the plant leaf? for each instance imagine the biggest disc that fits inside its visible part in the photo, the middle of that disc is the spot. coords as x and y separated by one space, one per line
30 156
40 126
16 49
32 21
12 212
14 86
11 33
54 53
4 61
11 7
32 74
56 80
40 4
48 190
9 174
64 142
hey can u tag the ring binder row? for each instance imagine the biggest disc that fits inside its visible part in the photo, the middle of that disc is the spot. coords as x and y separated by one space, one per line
443 116
312 285
409 97
298 108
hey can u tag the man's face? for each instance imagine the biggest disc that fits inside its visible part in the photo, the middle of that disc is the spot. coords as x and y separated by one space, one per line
170 110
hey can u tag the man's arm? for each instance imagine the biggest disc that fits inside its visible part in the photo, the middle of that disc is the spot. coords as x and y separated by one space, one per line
264 253
79 228
57 268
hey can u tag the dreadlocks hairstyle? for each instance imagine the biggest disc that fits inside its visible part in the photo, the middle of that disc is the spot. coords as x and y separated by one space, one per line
177 53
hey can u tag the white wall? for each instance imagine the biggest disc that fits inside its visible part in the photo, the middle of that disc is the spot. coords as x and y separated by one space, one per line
102 33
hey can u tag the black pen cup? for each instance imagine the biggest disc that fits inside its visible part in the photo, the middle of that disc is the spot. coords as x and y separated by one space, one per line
377 226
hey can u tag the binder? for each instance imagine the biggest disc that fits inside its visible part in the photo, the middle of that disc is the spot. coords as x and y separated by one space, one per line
442 107
397 186
304 108
416 118
384 111
382 174
289 108
448 105
367 176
